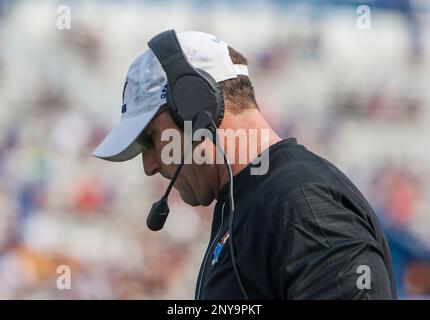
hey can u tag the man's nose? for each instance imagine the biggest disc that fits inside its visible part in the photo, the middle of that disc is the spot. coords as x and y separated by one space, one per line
150 163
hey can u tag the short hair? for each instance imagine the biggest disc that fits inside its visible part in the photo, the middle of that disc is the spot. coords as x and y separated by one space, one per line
239 91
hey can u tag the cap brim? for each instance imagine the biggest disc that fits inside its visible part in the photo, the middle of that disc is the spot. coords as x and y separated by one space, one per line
119 144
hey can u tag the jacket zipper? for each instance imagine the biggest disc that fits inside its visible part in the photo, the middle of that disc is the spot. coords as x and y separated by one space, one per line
208 252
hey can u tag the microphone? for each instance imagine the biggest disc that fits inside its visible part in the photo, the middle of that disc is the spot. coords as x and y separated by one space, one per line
158 214
160 210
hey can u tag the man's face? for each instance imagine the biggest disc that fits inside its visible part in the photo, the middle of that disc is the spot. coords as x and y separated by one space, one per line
193 182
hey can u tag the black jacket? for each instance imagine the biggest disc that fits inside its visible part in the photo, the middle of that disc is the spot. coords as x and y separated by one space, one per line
301 231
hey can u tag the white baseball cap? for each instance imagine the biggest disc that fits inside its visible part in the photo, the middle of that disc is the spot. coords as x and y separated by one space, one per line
145 90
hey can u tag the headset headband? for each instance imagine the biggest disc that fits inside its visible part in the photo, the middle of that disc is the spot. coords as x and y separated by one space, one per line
168 51
193 94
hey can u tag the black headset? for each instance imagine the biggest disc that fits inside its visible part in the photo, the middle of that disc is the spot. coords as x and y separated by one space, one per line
193 95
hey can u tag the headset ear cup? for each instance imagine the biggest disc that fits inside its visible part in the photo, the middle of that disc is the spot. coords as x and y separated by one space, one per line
216 109
177 119
218 112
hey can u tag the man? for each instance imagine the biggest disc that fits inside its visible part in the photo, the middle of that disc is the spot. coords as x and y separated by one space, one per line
301 229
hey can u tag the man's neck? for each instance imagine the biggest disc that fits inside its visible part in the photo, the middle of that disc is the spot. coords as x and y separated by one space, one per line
259 136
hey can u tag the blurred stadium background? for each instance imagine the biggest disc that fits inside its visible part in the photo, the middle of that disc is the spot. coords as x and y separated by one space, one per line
360 98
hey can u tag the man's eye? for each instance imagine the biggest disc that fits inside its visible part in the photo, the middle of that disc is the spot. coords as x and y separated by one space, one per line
145 141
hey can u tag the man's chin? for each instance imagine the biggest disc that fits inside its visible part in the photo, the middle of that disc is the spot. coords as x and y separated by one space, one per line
192 201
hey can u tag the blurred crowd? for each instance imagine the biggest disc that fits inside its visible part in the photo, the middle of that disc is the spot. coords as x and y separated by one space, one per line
359 98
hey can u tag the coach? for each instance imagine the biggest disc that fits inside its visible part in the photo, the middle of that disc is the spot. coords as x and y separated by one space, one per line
299 229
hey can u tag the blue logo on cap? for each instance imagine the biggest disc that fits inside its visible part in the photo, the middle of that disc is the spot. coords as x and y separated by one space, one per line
164 91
